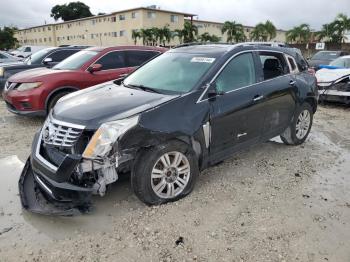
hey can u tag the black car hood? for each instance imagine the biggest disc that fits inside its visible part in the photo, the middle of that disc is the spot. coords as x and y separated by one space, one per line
106 102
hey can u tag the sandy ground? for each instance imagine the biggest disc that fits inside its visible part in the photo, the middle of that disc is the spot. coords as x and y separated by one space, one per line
269 203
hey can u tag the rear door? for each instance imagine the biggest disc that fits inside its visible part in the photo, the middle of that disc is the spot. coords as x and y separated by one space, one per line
113 67
60 55
135 58
279 91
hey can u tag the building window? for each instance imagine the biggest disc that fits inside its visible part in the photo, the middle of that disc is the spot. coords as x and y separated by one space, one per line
151 15
113 19
122 33
49 28
174 18
121 17
114 34
92 36
134 15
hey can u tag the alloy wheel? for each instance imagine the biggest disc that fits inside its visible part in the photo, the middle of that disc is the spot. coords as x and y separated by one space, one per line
303 124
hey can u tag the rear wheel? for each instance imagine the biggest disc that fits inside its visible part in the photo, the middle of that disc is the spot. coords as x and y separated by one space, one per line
164 173
300 128
54 99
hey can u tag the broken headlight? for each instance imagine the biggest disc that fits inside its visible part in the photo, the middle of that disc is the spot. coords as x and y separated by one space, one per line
108 133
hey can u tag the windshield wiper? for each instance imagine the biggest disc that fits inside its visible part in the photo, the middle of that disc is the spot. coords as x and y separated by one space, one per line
143 88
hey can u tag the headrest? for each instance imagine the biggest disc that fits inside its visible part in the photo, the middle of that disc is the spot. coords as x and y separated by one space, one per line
271 64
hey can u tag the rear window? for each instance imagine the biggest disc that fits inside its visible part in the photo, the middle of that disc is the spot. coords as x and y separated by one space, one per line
325 56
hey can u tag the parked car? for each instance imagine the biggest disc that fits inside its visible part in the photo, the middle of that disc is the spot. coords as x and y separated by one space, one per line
324 58
334 80
7 58
27 50
178 114
35 92
44 58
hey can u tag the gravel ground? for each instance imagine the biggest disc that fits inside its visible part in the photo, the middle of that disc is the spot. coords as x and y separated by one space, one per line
269 203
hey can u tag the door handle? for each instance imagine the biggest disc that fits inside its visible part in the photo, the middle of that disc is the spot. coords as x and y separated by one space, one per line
258 97
292 82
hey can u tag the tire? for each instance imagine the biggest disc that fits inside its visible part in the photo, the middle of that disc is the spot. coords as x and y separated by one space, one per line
149 173
300 127
53 100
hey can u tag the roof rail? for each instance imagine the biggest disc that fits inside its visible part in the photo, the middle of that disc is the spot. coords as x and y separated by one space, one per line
202 43
273 44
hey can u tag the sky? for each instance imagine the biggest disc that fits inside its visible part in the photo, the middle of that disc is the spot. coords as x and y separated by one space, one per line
284 14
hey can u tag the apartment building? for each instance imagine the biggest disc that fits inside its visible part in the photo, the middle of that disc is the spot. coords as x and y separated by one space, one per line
116 28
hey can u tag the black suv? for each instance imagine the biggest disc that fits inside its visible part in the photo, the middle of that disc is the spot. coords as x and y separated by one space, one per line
178 114
47 57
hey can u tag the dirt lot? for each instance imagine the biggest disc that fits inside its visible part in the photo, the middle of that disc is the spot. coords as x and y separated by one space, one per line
269 203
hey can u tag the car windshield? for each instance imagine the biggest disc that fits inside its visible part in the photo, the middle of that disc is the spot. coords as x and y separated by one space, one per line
171 72
325 56
75 61
341 62
37 57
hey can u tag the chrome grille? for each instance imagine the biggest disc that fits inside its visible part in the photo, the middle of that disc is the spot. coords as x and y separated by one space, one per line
59 133
9 85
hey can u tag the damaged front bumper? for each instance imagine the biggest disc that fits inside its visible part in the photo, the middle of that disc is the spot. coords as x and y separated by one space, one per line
40 194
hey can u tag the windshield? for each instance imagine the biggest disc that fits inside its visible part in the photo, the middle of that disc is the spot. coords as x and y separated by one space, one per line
37 57
341 62
75 61
172 72
325 56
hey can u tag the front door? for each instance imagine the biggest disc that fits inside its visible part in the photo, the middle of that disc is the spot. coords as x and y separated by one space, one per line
237 114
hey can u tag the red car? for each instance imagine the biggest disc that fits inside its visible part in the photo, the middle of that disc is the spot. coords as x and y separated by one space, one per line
36 91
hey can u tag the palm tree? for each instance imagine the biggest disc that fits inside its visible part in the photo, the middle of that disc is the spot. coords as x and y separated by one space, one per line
270 29
299 34
342 23
146 35
190 32
234 31
259 33
206 37
179 33
135 35
166 35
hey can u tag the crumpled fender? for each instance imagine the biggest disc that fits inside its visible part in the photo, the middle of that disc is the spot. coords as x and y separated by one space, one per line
34 199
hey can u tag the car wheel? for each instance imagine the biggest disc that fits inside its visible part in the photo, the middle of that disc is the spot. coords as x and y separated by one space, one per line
300 128
164 173
54 99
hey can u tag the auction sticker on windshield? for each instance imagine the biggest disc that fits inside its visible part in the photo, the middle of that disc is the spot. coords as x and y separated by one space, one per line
202 60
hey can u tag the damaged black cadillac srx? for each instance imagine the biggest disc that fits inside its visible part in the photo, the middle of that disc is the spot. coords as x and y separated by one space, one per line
180 113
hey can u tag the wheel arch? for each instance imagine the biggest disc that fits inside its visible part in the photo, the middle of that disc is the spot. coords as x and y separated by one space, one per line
57 91
312 102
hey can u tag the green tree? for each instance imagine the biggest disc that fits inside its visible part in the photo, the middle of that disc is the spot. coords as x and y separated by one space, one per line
235 32
71 11
166 35
300 34
135 35
263 32
7 39
206 37
179 33
190 32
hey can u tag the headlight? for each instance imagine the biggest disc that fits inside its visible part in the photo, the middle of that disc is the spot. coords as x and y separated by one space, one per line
28 86
108 133
2 71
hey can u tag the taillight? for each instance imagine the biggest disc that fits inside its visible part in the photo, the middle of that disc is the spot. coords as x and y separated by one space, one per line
311 71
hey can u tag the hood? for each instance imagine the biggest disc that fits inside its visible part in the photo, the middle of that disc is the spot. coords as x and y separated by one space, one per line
34 74
12 63
106 102
331 75
316 63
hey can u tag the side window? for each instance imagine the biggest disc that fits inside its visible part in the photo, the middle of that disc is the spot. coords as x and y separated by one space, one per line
28 49
60 55
2 56
273 64
239 72
292 64
301 63
112 60
137 58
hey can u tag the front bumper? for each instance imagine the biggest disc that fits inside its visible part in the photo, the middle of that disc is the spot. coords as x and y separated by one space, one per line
335 96
45 188
41 195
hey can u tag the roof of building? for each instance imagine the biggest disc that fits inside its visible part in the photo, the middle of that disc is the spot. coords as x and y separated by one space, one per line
111 14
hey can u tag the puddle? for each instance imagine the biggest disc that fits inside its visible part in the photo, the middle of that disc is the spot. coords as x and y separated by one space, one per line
26 226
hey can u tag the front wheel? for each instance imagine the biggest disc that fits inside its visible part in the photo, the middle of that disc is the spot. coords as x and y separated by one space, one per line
164 173
299 129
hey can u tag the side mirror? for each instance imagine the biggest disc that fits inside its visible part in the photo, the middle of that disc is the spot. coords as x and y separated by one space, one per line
94 68
47 60
213 92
